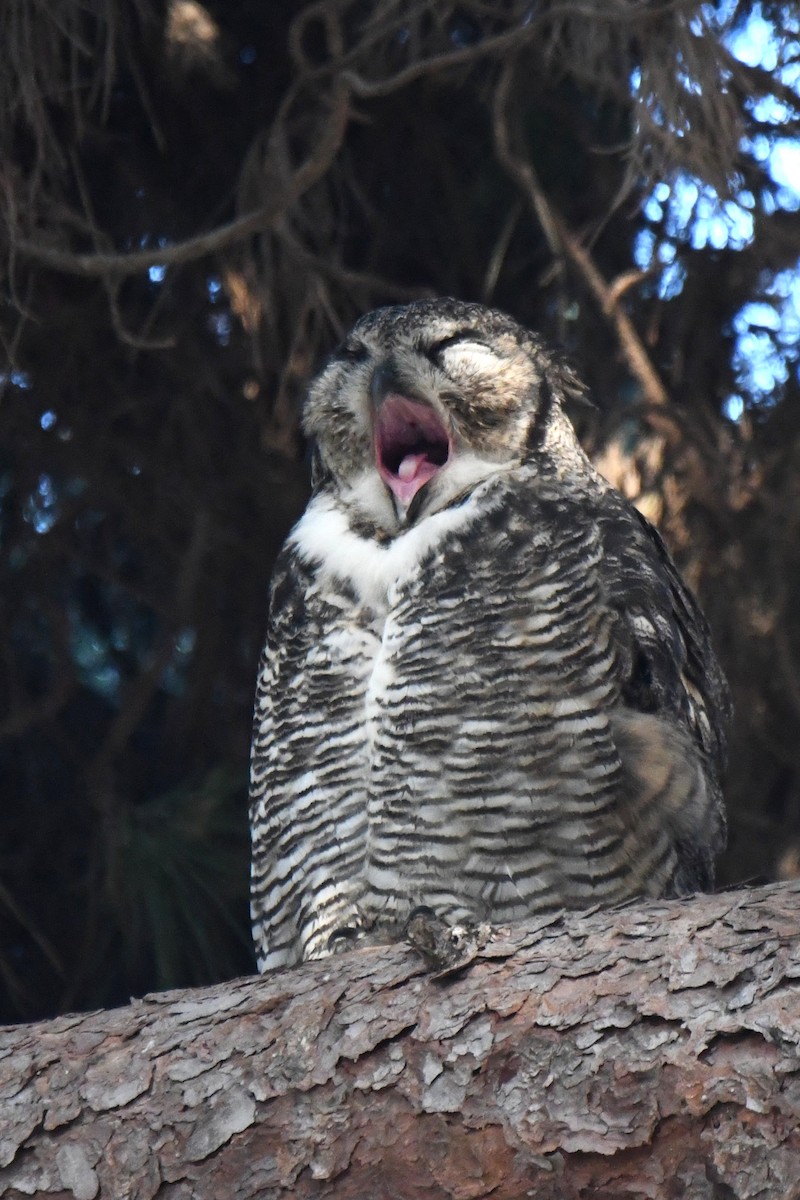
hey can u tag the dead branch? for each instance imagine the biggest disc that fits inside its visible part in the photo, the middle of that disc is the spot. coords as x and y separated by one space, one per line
563 243
100 264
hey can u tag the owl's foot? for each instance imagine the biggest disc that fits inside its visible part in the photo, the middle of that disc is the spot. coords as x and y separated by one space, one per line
346 937
445 946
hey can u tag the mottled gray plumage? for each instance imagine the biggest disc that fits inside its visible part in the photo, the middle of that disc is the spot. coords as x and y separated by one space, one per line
485 688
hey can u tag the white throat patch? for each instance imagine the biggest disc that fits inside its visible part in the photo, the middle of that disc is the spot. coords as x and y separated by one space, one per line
324 538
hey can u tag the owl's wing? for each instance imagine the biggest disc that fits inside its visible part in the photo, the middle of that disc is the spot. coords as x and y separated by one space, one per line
307 790
676 705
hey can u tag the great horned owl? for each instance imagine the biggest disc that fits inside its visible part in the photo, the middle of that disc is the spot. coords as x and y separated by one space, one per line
485 688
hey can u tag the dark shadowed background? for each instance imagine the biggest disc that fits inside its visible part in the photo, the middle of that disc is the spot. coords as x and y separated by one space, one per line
196 201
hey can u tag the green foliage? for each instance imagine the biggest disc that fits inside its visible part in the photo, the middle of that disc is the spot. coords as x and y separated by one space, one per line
176 884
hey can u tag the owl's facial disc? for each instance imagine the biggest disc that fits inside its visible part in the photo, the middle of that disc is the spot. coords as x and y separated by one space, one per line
411 445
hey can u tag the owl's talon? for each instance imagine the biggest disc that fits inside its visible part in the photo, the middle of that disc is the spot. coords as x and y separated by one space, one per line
422 912
445 947
344 938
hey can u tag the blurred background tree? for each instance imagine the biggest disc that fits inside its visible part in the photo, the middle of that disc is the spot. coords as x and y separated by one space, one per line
196 201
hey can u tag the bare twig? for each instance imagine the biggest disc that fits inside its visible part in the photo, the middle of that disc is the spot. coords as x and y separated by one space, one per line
347 278
495 264
608 297
9 902
510 39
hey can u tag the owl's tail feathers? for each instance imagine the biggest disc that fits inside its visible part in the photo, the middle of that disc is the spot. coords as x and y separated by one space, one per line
671 803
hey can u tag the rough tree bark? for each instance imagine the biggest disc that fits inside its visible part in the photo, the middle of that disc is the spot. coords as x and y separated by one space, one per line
649 1051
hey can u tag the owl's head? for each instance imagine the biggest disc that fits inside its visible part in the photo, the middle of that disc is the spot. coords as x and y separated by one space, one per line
421 402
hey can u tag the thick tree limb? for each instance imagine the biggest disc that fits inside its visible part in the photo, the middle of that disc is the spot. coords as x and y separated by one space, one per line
650 1051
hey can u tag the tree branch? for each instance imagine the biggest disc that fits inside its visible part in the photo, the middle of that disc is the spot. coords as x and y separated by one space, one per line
512 39
625 1052
563 243
310 172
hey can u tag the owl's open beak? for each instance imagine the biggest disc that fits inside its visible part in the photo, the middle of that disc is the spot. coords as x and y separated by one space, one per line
411 445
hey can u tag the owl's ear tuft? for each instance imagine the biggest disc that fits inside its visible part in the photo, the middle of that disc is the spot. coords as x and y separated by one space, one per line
538 426
571 388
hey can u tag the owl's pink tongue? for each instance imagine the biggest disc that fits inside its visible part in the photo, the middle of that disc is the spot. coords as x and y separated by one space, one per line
411 445
411 466
413 472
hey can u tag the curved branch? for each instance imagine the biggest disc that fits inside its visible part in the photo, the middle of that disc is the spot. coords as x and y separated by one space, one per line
564 243
309 173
